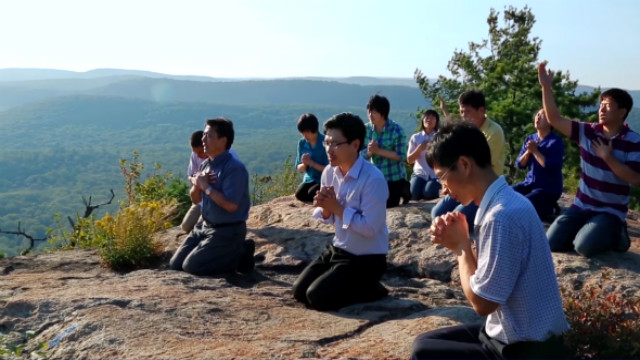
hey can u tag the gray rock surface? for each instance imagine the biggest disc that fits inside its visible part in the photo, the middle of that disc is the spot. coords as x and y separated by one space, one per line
159 313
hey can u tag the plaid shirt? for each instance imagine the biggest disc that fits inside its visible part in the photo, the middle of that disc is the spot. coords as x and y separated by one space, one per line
391 138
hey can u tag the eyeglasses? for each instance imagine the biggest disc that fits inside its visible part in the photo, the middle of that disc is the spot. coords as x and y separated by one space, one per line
444 175
333 145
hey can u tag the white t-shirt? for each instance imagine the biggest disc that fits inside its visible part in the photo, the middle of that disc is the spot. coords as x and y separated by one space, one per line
421 168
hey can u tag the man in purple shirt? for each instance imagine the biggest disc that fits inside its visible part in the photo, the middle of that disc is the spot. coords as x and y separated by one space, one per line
610 165
542 153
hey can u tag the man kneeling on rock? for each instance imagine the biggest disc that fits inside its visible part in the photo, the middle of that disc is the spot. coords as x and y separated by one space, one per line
353 197
509 276
217 244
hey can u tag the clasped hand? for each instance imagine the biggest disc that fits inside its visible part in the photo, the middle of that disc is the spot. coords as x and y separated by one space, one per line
372 147
450 230
326 199
206 179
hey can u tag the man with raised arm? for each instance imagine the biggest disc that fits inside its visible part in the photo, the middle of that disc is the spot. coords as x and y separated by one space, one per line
509 277
217 244
352 197
610 165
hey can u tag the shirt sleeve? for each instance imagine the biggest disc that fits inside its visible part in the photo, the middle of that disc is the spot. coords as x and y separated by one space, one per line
298 153
496 145
371 216
236 181
522 151
554 153
192 165
401 144
499 260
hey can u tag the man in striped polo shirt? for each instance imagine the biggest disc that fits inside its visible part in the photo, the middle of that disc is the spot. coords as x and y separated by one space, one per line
610 165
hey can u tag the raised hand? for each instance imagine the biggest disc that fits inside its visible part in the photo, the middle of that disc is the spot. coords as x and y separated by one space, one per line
545 77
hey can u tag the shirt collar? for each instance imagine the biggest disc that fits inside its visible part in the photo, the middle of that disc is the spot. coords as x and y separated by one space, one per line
220 158
622 133
355 170
493 189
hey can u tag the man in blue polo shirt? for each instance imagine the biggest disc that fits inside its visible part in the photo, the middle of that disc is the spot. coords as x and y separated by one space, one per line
217 244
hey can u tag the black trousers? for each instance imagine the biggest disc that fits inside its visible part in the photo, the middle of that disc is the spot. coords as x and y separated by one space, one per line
472 342
307 191
338 278
398 189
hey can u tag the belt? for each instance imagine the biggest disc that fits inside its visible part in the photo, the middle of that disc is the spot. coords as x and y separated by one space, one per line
221 225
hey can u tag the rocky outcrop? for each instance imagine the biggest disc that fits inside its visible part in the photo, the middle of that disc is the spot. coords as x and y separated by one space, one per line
87 311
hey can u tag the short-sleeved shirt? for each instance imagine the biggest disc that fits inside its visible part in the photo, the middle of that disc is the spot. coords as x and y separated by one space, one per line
363 193
547 178
495 137
233 182
390 138
601 190
515 268
420 167
318 155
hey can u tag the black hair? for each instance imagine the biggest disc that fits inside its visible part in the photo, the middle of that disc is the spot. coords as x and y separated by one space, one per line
621 97
473 98
350 125
223 128
380 104
432 113
308 122
196 138
459 139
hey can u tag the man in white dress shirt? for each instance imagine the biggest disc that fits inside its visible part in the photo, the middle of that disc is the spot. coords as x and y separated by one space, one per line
353 197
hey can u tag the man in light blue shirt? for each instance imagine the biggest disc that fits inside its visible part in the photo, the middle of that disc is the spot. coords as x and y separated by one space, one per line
353 197
509 276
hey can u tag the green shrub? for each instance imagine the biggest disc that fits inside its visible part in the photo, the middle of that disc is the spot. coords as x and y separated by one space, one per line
282 183
13 346
603 324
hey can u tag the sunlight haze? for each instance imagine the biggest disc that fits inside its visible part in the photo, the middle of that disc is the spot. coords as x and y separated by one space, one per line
595 41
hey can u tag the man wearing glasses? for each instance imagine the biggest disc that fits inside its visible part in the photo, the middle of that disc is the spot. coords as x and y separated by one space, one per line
352 196
509 276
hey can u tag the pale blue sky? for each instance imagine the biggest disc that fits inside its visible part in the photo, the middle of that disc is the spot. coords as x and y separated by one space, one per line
597 41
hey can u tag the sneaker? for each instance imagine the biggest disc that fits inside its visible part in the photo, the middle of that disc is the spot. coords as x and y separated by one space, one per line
247 261
624 242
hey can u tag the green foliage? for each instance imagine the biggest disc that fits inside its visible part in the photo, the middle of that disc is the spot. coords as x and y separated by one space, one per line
128 238
282 183
604 325
504 67
14 344
156 187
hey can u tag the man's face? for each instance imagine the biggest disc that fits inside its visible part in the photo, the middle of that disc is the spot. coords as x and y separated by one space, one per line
540 121
375 118
309 136
471 114
338 149
610 113
454 179
212 144
199 150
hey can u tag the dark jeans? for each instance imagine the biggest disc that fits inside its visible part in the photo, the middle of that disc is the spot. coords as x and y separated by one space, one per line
338 278
307 191
543 202
447 204
210 251
588 232
471 342
424 189
398 189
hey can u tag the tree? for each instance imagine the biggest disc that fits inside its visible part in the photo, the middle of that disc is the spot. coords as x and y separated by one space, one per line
504 67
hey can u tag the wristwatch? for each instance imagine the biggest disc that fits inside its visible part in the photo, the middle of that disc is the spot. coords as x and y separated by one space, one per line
209 190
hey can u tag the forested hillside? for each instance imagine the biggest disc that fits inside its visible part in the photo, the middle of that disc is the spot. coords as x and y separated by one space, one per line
62 138
58 150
